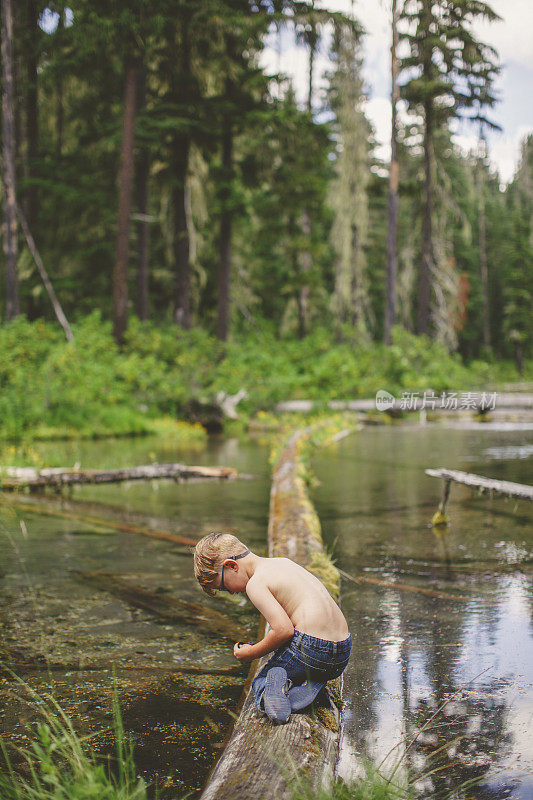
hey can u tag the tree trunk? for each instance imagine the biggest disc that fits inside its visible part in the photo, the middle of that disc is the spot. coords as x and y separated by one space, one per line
226 218
143 237
60 112
120 272
306 261
44 275
142 206
311 71
182 147
32 115
483 268
519 356
181 234
392 257
426 271
10 204
18 71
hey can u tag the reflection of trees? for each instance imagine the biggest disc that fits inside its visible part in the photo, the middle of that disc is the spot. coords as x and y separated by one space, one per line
464 737
374 506
428 630
458 746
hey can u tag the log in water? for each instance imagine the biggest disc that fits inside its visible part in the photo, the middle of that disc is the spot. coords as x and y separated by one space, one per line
262 759
169 608
16 477
481 482
102 523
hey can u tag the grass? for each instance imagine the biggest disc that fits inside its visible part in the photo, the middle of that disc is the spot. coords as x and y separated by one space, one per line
60 765
397 782
373 787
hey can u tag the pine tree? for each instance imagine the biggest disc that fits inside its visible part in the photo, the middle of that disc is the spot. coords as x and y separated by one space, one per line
242 88
518 254
120 271
285 170
394 177
451 74
348 191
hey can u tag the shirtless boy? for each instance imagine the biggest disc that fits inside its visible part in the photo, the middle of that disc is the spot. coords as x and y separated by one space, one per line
308 632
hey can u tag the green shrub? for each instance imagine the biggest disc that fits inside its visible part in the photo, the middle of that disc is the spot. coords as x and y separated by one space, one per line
90 387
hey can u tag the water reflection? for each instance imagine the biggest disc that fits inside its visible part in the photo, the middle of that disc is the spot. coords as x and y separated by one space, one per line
415 654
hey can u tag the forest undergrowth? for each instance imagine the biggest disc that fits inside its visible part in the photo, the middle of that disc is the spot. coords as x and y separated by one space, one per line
90 387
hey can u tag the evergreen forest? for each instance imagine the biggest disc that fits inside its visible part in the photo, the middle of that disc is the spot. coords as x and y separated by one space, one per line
171 198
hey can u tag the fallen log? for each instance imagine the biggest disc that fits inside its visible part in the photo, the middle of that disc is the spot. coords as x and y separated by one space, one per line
60 314
42 666
261 759
16 477
169 608
491 485
474 401
103 523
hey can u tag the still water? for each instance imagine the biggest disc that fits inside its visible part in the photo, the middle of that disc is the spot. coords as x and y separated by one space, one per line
472 657
178 682
62 629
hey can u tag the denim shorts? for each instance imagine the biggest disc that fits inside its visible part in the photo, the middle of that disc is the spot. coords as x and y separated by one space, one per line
306 658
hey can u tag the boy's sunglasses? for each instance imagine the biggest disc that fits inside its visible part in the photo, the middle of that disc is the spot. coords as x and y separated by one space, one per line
223 588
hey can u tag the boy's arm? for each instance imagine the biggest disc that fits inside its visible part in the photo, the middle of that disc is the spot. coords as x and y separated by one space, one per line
281 627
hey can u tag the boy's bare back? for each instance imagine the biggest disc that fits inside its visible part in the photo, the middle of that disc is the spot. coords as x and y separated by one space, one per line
300 594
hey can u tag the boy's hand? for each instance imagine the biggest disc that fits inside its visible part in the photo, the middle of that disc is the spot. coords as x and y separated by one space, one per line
243 651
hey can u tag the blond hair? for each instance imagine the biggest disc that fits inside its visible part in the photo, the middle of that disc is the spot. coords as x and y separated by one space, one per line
209 555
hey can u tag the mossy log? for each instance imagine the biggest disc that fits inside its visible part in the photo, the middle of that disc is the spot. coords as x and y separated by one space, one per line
262 759
169 608
17 477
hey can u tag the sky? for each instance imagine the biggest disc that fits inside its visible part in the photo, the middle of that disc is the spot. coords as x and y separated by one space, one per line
512 38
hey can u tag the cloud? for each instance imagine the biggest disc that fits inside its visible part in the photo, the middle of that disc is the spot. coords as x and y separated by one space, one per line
506 151
378 111
511 38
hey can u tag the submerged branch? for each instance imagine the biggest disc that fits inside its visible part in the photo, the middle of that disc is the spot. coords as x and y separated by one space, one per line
169 608
403 587
103 523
